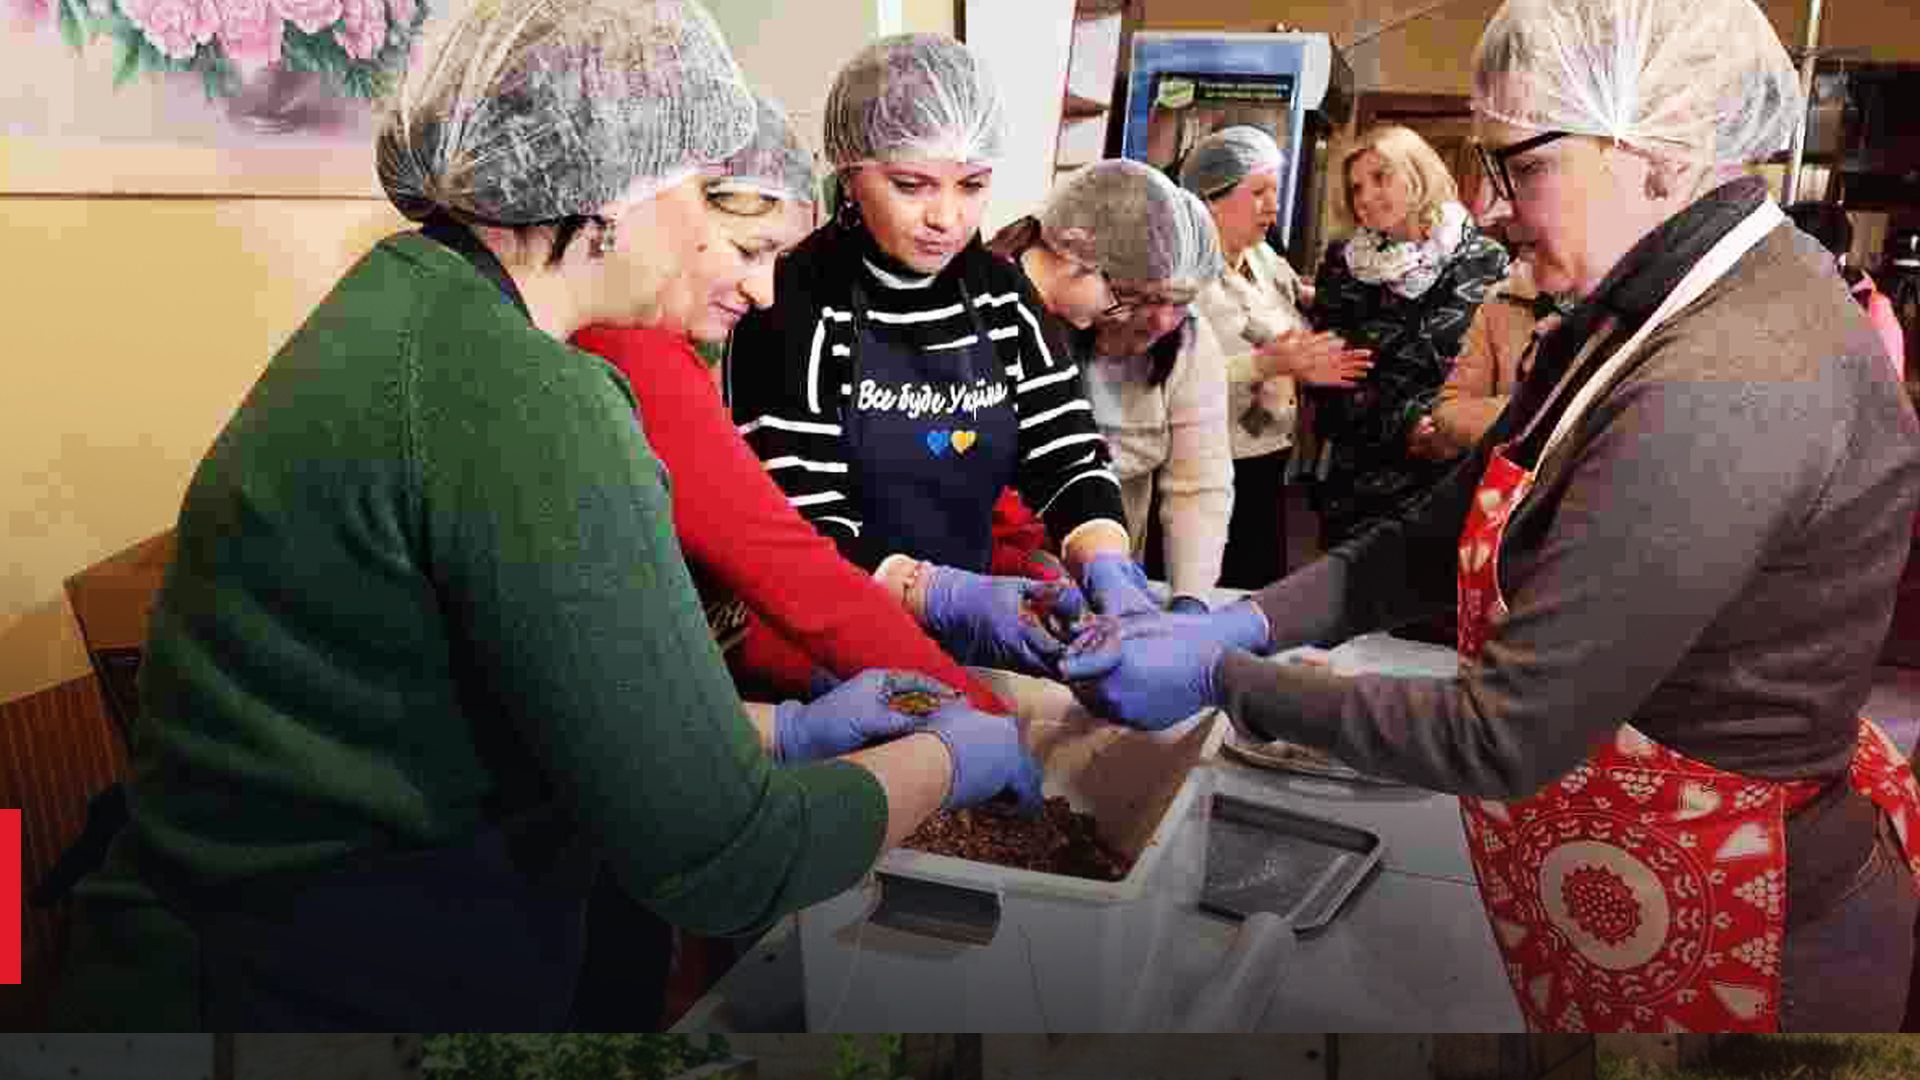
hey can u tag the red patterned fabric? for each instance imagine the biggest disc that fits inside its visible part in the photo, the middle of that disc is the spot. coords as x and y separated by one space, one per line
1020 545
1644 891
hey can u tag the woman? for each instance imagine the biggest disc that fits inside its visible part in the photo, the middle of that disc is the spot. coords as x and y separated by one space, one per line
1405 285
1254 311
1492 361
1674 557
1157 380
427 654
1099 227
789 614
783 604
900 380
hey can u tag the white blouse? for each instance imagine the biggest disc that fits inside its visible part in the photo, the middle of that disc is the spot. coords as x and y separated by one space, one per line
1245 308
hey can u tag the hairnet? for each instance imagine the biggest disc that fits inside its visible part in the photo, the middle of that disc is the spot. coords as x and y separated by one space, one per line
1133 223
1701 79
1218 163
774 162
913 96
530 110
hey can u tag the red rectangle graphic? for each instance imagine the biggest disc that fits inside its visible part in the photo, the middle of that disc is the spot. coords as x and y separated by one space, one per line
10 897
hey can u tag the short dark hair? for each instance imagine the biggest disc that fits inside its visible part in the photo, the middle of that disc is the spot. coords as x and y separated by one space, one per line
1825 222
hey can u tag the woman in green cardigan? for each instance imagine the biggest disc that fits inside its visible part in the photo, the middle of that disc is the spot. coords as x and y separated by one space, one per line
428 654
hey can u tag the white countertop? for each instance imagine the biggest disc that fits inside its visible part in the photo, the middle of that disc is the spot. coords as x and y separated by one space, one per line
1411 952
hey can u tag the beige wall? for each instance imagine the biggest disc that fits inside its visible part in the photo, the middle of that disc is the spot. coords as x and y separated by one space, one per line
135 325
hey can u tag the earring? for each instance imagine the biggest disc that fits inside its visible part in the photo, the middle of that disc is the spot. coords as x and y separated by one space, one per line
602 241
1657 185
848 216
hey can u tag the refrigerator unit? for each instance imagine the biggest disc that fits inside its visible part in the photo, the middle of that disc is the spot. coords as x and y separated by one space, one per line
1296 87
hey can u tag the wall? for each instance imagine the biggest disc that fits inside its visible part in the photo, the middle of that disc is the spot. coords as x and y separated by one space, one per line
136 324
134 327
1027 43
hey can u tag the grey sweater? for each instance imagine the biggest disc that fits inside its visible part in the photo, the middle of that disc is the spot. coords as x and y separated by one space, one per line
1711 555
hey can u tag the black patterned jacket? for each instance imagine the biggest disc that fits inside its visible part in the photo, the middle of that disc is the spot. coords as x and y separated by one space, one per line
1368 473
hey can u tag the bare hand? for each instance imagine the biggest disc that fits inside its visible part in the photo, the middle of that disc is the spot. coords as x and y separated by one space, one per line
1425 442
1321 359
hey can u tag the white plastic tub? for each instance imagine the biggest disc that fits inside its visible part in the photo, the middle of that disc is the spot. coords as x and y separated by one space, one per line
972 946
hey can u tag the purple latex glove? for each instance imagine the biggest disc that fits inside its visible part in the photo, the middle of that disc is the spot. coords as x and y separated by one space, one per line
999 622
988 758
1117 586
851 715
1148 672
1186 605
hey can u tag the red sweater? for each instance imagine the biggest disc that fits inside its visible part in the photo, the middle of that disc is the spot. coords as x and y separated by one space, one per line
810 607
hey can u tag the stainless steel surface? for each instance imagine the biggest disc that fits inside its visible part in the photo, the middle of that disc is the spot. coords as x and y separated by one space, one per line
1300 867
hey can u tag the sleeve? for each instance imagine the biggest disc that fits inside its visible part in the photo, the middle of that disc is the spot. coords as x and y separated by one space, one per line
782 372
1196 481
1466 406
1660 520
1064 472
737 526
579 624
1217 307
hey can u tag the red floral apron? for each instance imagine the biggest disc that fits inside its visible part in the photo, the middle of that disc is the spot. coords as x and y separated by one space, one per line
1644 891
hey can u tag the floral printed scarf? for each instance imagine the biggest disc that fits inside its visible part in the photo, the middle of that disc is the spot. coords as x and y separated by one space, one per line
1408 268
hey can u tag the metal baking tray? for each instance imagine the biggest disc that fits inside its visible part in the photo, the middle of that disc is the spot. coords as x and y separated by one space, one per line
1300 867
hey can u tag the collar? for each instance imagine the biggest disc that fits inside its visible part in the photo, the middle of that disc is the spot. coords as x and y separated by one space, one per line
445 229
1651 269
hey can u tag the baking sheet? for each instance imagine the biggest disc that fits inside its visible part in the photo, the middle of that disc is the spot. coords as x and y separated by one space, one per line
1300 867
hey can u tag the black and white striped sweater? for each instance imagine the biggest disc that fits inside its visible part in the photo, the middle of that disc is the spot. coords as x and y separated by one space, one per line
789 375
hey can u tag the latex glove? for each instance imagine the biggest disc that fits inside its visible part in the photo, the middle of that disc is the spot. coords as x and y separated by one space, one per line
1000 622
988 758
1144 672
820 681
851 715
1117 586
1186 605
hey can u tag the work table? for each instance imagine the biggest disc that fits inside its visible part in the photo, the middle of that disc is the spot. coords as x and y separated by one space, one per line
1410 952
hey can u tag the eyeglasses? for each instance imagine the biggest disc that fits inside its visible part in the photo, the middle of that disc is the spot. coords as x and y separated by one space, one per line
1494 162
1128 302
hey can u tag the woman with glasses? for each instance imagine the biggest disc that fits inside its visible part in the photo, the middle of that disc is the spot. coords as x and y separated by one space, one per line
1405 285
1156 378
1254 311
1673 558
901 379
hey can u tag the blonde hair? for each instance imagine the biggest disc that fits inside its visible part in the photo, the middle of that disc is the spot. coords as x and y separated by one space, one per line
1408 155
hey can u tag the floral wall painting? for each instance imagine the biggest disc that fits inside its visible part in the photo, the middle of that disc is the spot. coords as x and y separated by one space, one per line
223 97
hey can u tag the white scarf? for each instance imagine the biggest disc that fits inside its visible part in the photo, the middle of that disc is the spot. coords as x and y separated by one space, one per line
1407 267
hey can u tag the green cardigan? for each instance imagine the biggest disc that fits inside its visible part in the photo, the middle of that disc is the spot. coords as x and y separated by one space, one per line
428 566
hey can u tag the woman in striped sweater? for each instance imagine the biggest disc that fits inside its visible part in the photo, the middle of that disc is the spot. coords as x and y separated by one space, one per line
902 378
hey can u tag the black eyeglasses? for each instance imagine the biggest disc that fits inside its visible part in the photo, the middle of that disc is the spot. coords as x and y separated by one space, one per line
1495 161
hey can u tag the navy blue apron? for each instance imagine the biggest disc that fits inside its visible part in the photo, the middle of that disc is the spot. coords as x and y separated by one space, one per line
932 438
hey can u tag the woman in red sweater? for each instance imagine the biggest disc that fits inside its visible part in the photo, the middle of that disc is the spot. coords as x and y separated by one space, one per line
788 612
785 607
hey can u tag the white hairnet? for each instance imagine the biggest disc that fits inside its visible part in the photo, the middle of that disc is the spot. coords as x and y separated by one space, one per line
1218 163
913 96
774 162
1701 79
530 110
1134 224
